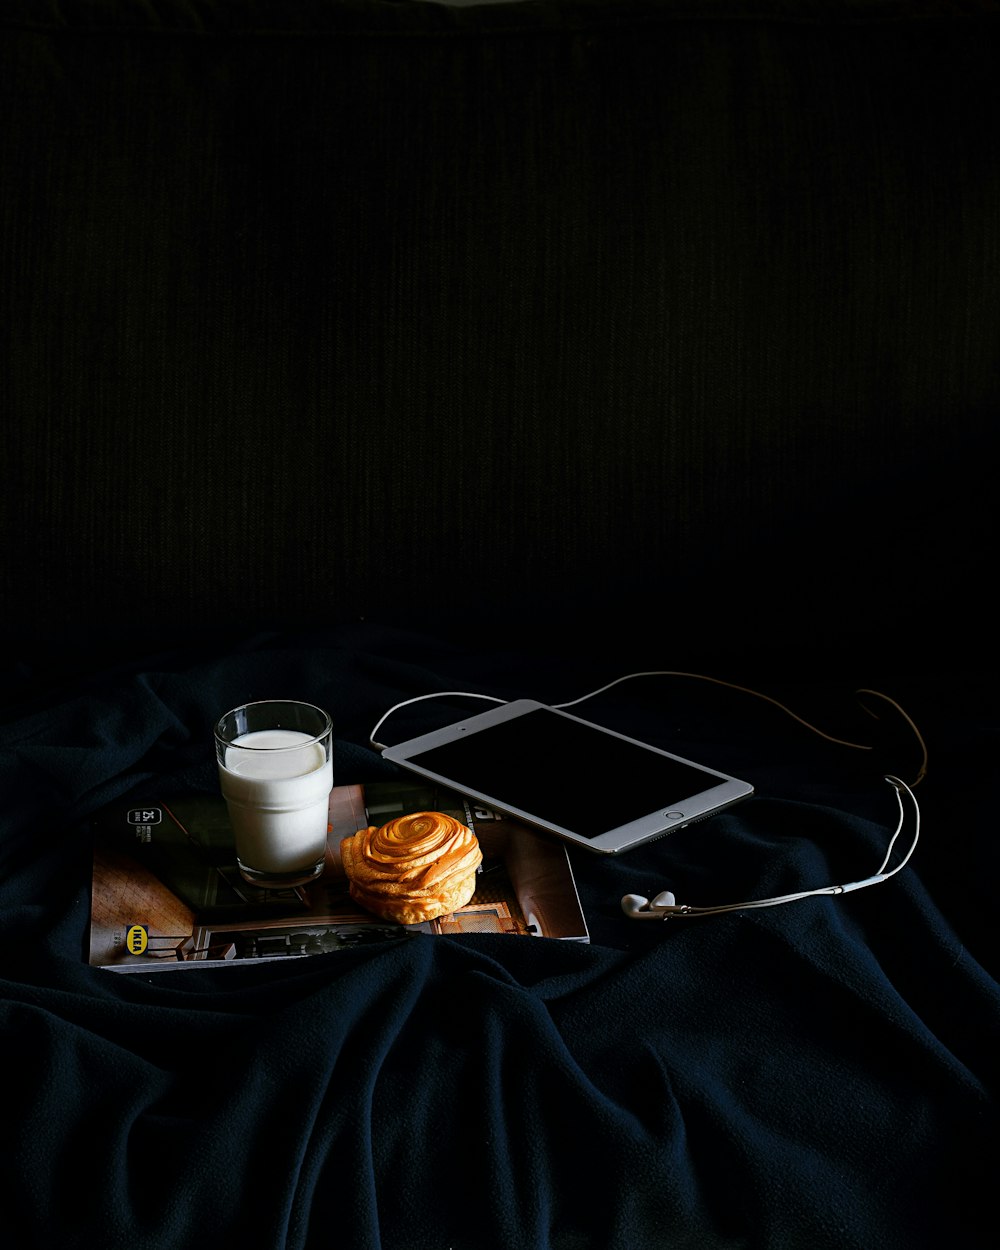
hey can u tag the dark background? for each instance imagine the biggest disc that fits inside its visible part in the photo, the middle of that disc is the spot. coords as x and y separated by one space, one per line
652 325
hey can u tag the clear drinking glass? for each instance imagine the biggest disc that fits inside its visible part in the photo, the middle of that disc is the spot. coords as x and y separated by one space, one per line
275 761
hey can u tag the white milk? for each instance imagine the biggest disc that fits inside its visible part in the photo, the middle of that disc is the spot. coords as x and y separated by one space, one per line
278 799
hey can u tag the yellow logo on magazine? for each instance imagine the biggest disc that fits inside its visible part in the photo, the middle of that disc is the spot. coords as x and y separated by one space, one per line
136 939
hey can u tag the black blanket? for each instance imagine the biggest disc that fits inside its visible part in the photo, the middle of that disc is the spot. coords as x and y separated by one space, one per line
817 1075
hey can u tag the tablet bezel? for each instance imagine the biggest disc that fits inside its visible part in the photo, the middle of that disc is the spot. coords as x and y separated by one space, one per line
721 789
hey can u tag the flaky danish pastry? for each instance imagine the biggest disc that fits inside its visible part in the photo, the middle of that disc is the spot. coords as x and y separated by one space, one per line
413 868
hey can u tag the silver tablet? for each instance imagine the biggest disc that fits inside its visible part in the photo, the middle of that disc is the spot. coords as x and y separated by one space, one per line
594 787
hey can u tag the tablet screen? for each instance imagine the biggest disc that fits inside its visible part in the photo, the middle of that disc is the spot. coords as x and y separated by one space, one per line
566 772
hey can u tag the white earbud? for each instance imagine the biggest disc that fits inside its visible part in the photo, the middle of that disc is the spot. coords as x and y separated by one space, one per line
664 905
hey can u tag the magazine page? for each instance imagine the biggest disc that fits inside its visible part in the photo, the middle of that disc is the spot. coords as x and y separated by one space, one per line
167 893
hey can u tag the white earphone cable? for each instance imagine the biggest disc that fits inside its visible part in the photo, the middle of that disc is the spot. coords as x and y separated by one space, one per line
857 746
638 908
718 682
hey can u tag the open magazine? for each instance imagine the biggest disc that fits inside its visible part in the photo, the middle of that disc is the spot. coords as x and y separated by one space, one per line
167 894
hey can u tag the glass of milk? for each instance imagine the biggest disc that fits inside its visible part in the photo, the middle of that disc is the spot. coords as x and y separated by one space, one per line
276 773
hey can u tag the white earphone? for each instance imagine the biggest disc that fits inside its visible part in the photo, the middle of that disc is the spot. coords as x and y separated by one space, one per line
665 906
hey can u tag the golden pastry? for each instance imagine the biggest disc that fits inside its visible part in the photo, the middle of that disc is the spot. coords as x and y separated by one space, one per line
413 868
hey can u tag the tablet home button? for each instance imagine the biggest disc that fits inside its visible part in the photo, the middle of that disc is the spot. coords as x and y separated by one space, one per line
674 815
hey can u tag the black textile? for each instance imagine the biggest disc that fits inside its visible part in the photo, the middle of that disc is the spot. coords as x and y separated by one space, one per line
817 1075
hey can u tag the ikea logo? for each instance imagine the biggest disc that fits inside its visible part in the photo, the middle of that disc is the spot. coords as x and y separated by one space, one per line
137 939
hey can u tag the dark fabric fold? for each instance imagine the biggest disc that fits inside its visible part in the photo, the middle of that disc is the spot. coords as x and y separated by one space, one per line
822 1074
